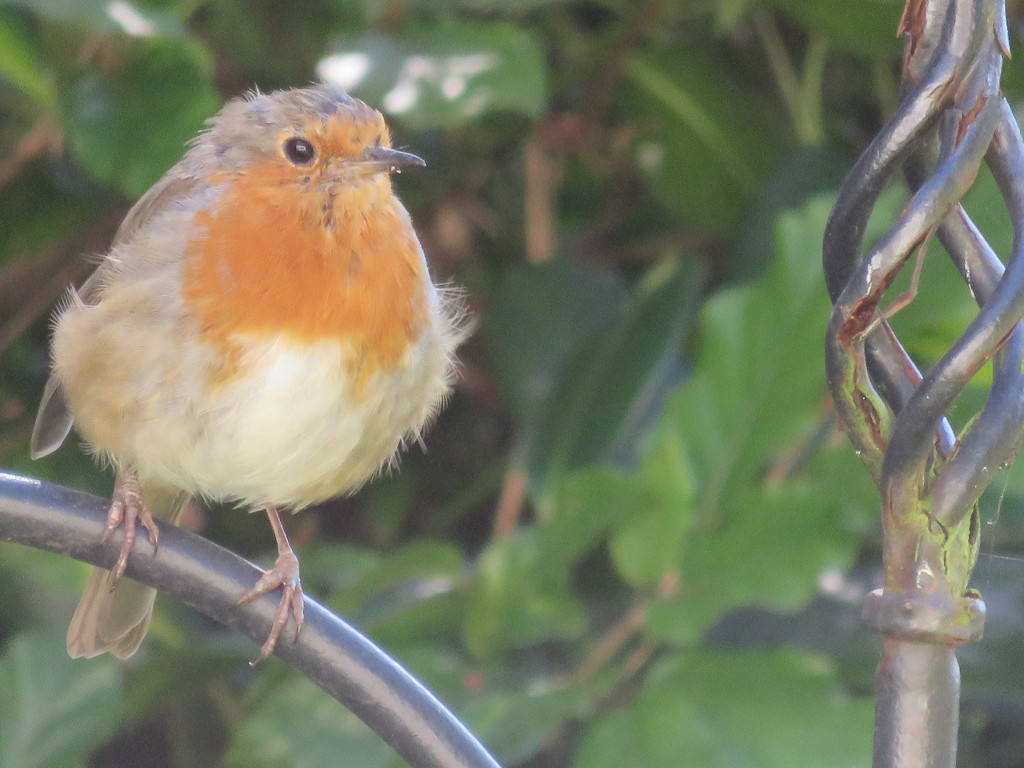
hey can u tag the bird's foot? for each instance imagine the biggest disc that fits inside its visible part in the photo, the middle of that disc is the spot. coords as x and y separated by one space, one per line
128 509
284 574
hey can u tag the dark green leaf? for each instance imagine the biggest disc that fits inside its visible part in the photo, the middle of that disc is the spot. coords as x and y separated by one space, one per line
506 7
128 127
864 26
49 203
514 707
616 382
728 13
700 152
805 173
408 591
539 316
647 513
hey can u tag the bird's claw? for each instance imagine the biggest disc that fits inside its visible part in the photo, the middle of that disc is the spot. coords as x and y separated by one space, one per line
128 509
284 574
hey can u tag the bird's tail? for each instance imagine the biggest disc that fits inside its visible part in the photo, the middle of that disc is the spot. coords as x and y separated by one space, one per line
112 617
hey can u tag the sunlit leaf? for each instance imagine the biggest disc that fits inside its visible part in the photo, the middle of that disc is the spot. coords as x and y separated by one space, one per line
445 74
130 18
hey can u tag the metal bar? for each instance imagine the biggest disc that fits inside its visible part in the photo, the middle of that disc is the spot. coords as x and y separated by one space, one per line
210 579
994 437
951 116
918 717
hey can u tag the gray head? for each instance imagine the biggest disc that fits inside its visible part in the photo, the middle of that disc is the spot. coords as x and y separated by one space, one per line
319 131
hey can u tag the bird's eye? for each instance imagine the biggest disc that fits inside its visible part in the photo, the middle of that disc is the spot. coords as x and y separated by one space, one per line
299 151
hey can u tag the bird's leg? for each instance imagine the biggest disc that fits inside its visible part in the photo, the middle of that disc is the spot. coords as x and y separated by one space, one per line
284 574
128 508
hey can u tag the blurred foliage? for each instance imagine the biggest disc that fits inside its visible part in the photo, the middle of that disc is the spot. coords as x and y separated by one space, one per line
637 537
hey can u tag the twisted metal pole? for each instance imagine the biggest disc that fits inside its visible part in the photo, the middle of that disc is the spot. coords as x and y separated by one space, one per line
951 116
210 579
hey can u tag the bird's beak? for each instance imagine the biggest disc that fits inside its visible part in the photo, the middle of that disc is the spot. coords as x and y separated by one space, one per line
387 160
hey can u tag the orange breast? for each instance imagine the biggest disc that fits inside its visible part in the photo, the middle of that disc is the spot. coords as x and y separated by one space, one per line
276 258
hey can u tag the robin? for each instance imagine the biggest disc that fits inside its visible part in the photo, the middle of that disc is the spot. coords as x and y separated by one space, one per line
264 330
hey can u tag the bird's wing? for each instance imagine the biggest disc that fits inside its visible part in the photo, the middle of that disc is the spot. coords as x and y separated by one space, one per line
54 420
175 185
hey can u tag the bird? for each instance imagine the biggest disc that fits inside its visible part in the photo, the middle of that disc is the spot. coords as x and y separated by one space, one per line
263 331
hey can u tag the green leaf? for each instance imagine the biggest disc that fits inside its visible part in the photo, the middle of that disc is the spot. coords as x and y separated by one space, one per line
647 515
408 592
754 399
513 601
505 7
539 315
699 152
19 64
806 172
987 209
646 545
297 725
444 75
46 209
39 586
104 16
759 371
866 27
128 127
728 13
515 718
700 503
577 512
513 707
719 710
420 560
618 380
54 710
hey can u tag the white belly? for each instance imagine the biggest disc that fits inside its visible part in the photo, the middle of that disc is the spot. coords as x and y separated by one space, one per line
293 430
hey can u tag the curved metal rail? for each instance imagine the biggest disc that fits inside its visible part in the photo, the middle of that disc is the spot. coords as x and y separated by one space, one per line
210 579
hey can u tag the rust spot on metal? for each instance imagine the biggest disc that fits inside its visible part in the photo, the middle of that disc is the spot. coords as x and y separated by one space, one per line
871 418
912 25
968 119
